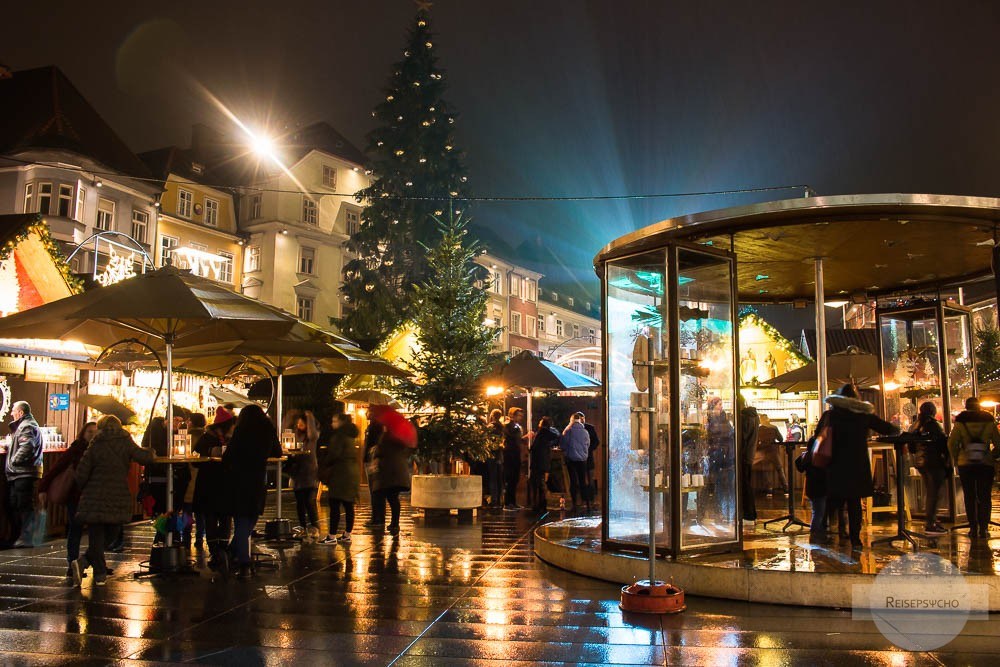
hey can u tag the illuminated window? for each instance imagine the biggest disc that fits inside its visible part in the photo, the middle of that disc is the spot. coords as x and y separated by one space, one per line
226 267
570 301
140 223
353 222
211 212
65 201
185 203
253 258
310 213
576 331
307 259
329 176
532 286
167 244
515 323
254 207
304 308
530 326
105 214
559 327
541 324
81 200
29 197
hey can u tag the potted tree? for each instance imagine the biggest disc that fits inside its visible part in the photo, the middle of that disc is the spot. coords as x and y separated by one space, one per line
453 351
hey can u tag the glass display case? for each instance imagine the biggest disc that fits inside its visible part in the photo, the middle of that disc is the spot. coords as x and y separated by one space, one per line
927 355
670 372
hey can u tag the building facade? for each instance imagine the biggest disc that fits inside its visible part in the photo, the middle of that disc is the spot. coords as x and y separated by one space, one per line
513 303
569 331
59 158
196 228
297 221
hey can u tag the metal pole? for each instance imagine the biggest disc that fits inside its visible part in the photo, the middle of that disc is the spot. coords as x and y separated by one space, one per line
821 376
279 416
652 459
170 432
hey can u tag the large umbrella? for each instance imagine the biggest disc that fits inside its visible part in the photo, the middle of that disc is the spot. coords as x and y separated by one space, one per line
109 406
164 308
528 371
370 397
396 425
850 366
223 395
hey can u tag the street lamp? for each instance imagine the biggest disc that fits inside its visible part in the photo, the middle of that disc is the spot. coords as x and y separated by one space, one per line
262 145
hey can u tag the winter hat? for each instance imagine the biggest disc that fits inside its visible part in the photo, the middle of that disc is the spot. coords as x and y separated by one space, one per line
222 416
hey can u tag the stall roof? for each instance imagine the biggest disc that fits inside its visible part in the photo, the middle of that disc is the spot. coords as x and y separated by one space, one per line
873 244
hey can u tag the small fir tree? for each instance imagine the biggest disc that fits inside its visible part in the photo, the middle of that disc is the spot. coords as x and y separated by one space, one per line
987 350
417 169
453 350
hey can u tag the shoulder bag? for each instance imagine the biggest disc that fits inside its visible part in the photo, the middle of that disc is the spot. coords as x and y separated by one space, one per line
822 452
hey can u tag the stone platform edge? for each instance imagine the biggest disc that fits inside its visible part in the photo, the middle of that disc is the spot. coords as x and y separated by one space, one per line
801 588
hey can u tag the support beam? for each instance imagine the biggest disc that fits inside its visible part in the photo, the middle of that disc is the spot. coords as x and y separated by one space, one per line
821 376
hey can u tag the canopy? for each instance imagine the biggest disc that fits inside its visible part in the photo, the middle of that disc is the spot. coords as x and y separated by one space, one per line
108 406
528 371
851 366
370 397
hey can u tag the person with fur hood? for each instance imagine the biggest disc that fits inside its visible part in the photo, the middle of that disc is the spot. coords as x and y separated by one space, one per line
849 474
340 472
973 444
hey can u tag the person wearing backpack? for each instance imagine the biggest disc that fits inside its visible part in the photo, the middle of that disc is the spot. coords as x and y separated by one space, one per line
973 446
931 460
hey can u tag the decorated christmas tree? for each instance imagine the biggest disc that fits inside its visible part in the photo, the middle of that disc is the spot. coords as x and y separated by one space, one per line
417 170
453 349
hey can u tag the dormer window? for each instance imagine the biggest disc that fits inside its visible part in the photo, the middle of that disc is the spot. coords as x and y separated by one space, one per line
197 168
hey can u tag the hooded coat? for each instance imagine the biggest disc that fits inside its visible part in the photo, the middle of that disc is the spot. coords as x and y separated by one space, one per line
849 474
393 462
974 426
102 476
338 463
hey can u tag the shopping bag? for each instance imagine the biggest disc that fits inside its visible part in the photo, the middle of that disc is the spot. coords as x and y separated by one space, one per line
39 526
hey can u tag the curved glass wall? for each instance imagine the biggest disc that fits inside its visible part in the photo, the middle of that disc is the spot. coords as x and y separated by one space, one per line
671 390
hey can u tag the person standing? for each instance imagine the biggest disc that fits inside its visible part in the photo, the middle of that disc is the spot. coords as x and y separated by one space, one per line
67 464
595 443
849 473
816 491
494 462
391 465
575 444
23 470
211 503
932 461
186 480
973 446
338 470
540 460
157 438
721 437
373 435
749 434
513 438
304 467
105 499
244 464
768 441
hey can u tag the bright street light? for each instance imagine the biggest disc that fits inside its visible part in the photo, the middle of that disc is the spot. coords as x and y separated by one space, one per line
262 145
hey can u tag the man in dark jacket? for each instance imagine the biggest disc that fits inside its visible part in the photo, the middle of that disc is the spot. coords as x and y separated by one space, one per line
513 437
749 423
23 470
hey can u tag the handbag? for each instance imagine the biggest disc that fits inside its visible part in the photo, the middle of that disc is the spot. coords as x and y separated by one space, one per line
62 485
822 452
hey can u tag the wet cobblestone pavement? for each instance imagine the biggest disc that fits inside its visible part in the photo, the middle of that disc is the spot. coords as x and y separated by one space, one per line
445 594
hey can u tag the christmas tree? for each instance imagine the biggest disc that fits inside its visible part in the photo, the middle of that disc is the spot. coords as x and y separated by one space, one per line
453 349
417 170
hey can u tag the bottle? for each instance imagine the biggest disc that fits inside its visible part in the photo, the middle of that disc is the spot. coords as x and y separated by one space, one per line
562 503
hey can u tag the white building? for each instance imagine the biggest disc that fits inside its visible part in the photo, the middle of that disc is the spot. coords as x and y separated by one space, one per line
58 157
513 303
297 221
569 330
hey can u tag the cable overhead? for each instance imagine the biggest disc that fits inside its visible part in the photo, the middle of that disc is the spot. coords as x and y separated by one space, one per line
238 189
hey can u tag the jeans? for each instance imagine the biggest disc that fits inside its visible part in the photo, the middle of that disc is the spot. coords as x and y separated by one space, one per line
74 533
746 492
335 504
512 477
21 506
933 478
99 536
817 525
241 537
579 479
305 505
853 516
977 485
494 481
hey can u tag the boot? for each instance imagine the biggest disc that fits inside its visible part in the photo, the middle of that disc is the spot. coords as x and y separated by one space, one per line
244 573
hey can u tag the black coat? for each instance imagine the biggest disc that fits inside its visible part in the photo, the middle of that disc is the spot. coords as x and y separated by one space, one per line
540 456
595 442
849 474
210 484
245 467
393 463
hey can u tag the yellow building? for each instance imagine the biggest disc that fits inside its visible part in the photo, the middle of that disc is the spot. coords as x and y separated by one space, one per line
196 226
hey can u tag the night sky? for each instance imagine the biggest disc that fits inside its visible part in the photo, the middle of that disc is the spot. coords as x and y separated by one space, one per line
572 98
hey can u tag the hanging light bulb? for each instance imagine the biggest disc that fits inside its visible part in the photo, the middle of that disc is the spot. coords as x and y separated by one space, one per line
432 109
400 151
369 287
454 193
426 123
406 54
390 98
448 147
438 212
409 183
423 160
464 179
416 84
428 45
399 118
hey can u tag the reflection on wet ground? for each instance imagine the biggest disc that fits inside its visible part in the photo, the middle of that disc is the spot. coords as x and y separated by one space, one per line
442 594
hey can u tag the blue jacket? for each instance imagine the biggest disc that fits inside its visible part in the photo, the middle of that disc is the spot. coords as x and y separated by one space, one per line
575 442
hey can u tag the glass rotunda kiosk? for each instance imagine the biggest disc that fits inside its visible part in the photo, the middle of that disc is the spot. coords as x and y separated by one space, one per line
670 297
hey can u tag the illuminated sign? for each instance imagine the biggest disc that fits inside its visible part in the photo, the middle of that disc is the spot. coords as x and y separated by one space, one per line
12 365
58 402
201 263
50 370
119 268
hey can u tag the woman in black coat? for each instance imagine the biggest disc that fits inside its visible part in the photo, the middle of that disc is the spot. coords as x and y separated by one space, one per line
932 461
244 465
849 474
210 500
540 460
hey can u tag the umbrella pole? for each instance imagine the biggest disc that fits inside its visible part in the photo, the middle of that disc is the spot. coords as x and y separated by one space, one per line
821 375
170 433
279 416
